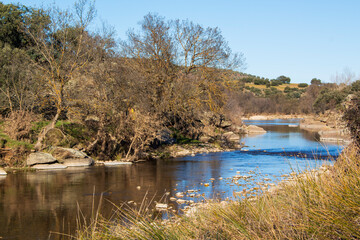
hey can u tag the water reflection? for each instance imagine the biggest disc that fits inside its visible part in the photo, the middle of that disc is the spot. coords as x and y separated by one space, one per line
34 203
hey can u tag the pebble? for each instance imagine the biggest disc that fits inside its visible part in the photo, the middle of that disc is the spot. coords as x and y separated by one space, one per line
161 206
179 194
181 201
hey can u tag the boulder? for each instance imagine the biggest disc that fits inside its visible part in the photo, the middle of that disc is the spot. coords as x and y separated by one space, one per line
2 172
237 129
49 166
255 129
72 157
40 158
61 153
231 136
225 124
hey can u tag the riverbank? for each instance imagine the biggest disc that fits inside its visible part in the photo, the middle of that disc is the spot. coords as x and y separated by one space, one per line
329 127
315 205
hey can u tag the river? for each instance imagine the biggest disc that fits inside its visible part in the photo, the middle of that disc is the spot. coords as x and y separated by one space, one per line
39 205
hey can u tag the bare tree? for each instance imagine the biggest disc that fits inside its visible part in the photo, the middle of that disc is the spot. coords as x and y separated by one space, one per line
151 54
64 48
344 79
203 48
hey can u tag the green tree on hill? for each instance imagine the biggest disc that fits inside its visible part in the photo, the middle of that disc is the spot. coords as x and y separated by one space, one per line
283 79
315 81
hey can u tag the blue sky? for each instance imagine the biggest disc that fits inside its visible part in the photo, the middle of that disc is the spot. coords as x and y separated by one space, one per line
301 39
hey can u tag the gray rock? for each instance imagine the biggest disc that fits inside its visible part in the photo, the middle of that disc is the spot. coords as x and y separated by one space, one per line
237 129
72 157
61 153
39 158
49 166
78 162
255 129
2 172
231 136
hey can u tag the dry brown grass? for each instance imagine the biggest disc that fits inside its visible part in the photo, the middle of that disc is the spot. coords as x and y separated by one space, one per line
281 87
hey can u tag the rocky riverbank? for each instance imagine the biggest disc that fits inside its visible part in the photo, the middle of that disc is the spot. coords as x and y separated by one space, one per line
329 125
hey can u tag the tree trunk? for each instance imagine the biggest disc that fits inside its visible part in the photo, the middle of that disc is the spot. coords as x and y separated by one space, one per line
132 143
45 130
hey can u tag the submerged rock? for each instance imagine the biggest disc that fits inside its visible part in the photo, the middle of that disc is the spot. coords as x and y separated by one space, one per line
40 158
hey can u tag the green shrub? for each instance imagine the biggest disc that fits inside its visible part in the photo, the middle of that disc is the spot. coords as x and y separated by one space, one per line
302 85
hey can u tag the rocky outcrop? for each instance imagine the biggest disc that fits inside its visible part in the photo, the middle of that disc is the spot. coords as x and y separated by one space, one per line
2 172
40 158
72 157
329 127
336 135
313 125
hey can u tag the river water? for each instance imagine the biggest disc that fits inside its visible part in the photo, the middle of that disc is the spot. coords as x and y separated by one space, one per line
39 205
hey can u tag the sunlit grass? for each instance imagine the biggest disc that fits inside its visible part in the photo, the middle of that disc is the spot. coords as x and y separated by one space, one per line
280 87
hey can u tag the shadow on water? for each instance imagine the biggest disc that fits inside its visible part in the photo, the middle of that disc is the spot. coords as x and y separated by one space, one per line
34 203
